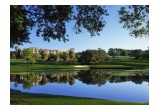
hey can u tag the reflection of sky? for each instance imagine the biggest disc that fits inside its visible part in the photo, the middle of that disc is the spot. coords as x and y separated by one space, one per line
126 91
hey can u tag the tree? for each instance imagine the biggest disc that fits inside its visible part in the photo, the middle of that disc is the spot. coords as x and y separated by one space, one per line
44 55
112 52
56 57
71 54
94 56
16 48
137 54
12 55
35 55
124 53
136 19
51 20
65 56
146 54
29 56
20 25
17 51
78 54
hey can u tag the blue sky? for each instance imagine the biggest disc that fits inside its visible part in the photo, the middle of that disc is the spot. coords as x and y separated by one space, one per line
112 36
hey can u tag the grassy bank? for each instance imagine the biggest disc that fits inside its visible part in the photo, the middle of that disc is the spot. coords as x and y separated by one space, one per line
20 98
18 65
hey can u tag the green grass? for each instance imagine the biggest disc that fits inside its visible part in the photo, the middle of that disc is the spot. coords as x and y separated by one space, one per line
110 67
18 65
20 98
39 67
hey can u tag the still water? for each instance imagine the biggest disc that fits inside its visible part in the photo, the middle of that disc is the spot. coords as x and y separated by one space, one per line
121 85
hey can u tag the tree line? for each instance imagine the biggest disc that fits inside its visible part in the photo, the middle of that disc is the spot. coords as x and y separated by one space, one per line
137 53
89 77
94 56
30 57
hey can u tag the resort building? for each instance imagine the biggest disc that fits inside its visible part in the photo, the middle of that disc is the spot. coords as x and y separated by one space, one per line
36 50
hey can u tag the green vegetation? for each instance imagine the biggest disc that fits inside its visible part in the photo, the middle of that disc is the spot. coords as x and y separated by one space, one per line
138 53
135 19
92 18
94 57
18 65
29 56
49 26
20 98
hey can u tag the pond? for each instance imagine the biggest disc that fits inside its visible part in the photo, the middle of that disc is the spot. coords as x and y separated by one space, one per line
124 85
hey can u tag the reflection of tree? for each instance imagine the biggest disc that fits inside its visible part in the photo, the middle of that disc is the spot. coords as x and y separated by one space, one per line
30 81
71 80
63 78
43 81
94 77
137 79
16 84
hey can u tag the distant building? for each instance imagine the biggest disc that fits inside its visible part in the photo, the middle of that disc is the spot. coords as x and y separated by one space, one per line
49 51
34 49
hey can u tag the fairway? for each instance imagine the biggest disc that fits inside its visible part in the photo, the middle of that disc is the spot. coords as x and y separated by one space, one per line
18 65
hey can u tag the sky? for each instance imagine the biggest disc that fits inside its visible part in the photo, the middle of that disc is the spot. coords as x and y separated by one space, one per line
112 36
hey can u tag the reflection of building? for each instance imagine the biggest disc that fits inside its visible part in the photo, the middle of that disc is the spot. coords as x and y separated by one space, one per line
49 51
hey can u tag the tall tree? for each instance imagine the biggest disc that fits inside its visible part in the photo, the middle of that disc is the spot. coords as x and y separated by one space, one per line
124 53
57 57
20 25
71 54
50 21
65 57
136 19
44 55
94 56
137 54
12 55
28 56
16 48
112 52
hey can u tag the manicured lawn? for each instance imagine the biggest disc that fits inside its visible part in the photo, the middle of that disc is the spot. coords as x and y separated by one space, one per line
40 67
18 65
20 98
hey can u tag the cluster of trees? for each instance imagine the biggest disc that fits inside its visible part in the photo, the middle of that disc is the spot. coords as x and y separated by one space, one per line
57 57
93 57
17 53
138 53
31 57
118 52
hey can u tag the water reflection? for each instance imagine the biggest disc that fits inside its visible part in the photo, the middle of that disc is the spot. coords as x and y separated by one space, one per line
94 77
137 79
89 77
